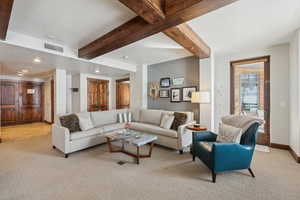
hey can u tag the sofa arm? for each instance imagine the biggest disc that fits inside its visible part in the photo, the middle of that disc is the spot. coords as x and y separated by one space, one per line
231 156
61 138
184 137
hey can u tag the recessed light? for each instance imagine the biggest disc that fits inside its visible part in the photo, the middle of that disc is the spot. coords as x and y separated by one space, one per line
25 70
97 71
37 60
20 74
125 57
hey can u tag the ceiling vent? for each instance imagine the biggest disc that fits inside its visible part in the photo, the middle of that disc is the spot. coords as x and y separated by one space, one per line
53 47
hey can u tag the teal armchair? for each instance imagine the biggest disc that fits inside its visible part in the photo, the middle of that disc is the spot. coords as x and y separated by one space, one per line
220 157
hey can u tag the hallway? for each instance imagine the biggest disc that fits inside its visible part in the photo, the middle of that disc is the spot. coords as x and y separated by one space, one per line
24 131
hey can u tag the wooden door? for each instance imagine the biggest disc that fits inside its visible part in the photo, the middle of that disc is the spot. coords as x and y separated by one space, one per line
30 102
123 94
9 102
97 94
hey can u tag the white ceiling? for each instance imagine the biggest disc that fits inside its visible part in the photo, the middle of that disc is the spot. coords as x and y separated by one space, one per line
244 25
14 58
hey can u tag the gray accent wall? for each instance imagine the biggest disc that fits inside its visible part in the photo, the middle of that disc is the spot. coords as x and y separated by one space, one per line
187 68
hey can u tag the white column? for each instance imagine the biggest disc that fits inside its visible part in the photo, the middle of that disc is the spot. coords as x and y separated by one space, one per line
295 93
69 93
60 88
138 87
207 78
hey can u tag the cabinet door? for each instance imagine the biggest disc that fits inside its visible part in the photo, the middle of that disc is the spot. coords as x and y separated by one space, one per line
8 102
123 95
103 94
93 99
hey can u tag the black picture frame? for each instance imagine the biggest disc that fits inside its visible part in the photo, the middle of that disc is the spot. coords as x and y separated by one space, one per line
165 82
164 93
178 96
190 90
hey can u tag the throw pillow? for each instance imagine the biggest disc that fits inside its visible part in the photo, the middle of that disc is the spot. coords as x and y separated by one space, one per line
229 134
71 122
85 121
125 118
180 119
166 121
120 117
129 117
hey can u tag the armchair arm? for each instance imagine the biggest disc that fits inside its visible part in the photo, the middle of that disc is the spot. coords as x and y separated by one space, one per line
184 137
61 138
231 156
207 136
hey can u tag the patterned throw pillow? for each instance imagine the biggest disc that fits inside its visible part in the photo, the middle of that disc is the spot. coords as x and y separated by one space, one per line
180 119
229 134
166 120
71 122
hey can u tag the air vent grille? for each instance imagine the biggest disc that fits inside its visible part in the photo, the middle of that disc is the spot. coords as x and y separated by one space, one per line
54 47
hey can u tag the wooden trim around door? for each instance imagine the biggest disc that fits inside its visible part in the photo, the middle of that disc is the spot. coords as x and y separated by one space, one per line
267 89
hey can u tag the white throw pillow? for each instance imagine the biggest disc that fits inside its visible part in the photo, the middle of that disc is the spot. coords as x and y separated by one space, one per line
229 134
129 117
125 118
85 121
120 118
166 121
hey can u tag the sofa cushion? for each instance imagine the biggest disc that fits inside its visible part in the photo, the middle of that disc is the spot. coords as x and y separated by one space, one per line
100 118
88 133
112 127
70 122
85 121
150 116
153 129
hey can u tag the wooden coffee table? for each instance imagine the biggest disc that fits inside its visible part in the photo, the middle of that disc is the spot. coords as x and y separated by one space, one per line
135 138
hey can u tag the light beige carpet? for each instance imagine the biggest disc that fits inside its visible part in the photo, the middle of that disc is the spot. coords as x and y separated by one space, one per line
32 170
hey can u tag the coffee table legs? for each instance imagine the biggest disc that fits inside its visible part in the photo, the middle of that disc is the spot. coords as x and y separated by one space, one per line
137 156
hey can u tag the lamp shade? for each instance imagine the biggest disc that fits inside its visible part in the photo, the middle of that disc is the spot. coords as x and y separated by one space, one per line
201 97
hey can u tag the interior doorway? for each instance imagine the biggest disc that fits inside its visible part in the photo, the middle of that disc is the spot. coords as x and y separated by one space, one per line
123 93
250 92
98 94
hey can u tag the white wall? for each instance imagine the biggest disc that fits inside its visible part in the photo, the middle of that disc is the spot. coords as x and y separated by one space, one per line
60 91
47 100
295 93
138 87
207 81
69 93
279 88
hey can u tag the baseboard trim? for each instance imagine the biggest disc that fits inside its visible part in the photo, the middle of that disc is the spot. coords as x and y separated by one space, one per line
295 156
286 147
48 122
280 146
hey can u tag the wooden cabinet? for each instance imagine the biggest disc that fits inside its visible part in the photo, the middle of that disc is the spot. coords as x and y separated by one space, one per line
97 94
21 102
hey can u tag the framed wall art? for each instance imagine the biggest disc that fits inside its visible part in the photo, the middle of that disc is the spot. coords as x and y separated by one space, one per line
165 82
175 95
187 93
164 94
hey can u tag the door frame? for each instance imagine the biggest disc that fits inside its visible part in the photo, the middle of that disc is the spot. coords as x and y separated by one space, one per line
117 91
265 138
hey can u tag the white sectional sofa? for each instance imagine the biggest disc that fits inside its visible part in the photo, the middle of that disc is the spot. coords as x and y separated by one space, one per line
105 121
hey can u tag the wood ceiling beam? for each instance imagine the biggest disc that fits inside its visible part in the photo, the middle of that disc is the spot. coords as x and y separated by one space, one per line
184 35
5 13
149 10
137 28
